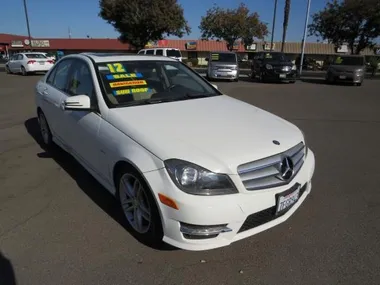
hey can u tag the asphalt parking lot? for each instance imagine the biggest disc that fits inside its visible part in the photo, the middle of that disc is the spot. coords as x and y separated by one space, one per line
59 226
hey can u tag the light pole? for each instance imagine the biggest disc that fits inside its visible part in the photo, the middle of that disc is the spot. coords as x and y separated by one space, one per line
304 35
27 24
273 24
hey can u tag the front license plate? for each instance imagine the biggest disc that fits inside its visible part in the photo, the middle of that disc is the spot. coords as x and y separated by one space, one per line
282 75
286 200
342 77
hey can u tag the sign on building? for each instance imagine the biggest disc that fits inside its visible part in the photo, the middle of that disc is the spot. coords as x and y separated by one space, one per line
40 43
252 47
342 49
17 44
191 45
267 46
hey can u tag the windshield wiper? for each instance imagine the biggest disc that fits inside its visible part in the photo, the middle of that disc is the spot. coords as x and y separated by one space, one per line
199 95
148 101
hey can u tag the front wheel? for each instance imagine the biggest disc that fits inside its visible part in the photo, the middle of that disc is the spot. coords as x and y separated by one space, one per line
23 71
139 206
7 70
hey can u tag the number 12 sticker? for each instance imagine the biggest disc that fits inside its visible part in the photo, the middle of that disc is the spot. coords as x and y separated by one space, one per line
116 67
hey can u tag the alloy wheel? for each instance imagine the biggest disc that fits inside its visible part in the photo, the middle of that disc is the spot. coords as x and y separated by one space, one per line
134 201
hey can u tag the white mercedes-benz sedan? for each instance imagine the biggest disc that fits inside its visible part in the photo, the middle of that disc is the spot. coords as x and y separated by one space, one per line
190 165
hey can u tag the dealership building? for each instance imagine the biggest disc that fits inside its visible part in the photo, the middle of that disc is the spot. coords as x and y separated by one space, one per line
190 49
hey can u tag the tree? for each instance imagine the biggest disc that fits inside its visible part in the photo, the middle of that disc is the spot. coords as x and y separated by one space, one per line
232 24
285 24
141 21
355 22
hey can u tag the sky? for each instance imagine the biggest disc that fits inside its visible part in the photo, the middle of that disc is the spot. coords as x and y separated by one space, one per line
54 19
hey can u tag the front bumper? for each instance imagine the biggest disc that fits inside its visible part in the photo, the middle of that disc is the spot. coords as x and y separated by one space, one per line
220 74
279 75
237 216
348 77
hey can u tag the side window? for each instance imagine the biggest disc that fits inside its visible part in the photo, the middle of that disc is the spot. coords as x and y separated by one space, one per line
141 52
150 51
19 57
159 52
80 80
60 75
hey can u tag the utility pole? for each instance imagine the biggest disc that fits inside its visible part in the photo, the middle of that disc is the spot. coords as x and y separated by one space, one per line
27 24
69 33
305 35
273 24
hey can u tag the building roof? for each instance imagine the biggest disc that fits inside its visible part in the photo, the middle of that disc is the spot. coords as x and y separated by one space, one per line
195 45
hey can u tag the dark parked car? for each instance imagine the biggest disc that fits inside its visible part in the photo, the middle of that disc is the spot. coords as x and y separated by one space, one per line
346 68
273 66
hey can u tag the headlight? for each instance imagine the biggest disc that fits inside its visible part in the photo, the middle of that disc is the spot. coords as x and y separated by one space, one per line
294 67
268 66
196 180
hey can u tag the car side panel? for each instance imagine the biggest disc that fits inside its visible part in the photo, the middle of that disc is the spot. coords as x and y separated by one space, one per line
115 146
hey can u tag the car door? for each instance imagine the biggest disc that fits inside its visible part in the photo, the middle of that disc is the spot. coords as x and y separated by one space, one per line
52 95
81 127
13 63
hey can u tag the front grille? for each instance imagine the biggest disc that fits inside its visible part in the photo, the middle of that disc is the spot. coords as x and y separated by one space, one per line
265 173
264 216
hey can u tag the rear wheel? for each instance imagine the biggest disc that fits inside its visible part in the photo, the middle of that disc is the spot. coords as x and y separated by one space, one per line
139 206
23 71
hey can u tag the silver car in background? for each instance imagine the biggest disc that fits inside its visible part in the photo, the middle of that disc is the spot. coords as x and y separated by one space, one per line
346 68
223 65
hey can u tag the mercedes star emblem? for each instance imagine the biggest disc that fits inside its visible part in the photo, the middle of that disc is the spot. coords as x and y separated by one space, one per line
286 168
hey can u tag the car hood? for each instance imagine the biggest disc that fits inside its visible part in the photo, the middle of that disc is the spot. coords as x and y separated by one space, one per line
218 133
347 67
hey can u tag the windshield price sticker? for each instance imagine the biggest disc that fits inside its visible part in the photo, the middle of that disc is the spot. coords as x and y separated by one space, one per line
124 76
130 91
215 56
127 83
116 67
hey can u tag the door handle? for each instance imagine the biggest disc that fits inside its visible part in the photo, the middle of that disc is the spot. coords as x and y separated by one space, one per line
45 92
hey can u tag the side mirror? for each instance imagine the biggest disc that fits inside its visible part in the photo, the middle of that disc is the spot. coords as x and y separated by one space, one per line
215 86
206 59
77 103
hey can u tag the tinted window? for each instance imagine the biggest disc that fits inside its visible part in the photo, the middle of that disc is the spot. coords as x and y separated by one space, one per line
130 81
150 51
35 55
173 53
80 80
60 74
159 52
141 52
19 57
223 57
275 56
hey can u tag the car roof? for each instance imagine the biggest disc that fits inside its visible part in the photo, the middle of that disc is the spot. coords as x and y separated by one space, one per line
106 57
160 48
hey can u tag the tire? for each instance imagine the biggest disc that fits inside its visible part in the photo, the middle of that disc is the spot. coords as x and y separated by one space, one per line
23 71
45 132
292 82
7 70
262 78
236 80
139 206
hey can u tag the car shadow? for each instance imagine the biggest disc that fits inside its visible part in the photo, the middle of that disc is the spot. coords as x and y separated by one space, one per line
7 274
86 182
322 81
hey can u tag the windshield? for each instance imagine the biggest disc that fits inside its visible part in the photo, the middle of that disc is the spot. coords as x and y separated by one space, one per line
173 53
35 55
275 56
224 57
348 60
143 82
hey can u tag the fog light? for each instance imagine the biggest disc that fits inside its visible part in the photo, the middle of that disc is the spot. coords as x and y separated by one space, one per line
202 232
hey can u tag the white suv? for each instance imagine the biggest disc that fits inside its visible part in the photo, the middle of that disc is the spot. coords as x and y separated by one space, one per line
169 52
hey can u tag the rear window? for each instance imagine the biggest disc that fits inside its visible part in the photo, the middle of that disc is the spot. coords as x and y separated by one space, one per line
35 55
173 53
